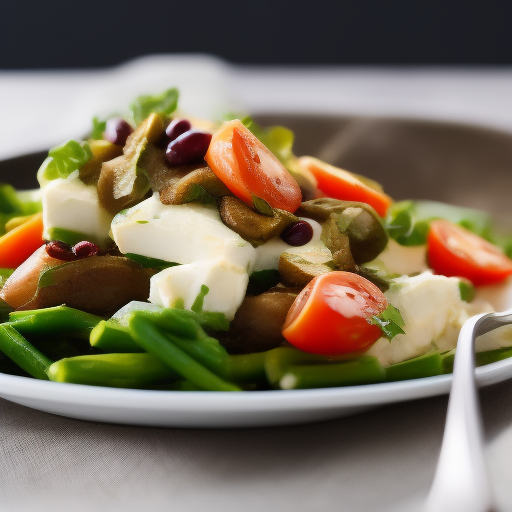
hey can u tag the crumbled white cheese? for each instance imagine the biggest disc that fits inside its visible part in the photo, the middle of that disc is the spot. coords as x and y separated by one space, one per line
185 233
227 284
71 205
433 313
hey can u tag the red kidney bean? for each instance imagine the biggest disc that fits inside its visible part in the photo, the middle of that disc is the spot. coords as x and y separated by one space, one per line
117 131
177 127
297 233
85 249
188 147
59 250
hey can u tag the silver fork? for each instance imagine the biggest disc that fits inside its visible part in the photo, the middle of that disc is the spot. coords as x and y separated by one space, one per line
461 483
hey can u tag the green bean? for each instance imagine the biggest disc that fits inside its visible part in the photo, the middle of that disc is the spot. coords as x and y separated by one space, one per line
185 323
110 336
491 356
5 309
245 368
25 355
288 368
447 361
112 370
60 348
426 365
481 358
151 339
54 321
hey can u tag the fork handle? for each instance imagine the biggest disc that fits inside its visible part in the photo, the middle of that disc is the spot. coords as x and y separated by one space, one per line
461 483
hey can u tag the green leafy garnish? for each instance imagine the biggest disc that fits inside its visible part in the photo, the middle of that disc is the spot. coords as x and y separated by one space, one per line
147 262
164 104
408 222
390 322
98 127
262 280
378 277
64 160
262 206
467 290
197 194
197 306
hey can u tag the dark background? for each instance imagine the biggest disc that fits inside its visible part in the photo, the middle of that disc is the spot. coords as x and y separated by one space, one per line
360 32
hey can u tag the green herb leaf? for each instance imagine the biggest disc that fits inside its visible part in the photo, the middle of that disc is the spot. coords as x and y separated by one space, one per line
262 206
378 277
147 262
163 104
197 194
467 290
64 160
98 127
390 322
197 306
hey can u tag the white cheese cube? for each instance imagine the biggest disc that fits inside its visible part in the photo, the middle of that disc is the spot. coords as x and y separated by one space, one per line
70 204
227 283
184 233
433 313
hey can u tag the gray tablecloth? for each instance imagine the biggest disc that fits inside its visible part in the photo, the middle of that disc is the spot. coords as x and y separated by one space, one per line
376 461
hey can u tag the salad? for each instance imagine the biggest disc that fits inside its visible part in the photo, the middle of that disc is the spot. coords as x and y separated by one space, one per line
172 253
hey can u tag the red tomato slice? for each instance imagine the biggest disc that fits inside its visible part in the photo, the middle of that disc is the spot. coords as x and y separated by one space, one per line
248 168
331 315
340 184
455 251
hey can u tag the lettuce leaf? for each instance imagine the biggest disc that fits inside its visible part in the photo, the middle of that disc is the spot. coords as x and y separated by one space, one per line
163 104
408 222
98 127
64 160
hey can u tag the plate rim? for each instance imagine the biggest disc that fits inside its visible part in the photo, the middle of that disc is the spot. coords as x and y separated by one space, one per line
14 388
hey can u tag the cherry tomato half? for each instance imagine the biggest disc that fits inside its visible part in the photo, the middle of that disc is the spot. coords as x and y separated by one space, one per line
331 315
341 184
248 168
455 251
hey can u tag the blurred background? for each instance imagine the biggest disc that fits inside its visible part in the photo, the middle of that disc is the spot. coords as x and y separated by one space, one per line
58 34
339 73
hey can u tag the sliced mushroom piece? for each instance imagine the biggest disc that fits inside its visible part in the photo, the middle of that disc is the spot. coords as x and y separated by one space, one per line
366 234
122 183
252 226
100 285
180 184
21 285
339 245
258 322
320 209
357 221
102 151
299 269
199 185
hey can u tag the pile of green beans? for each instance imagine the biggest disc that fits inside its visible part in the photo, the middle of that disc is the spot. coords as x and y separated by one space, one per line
171 349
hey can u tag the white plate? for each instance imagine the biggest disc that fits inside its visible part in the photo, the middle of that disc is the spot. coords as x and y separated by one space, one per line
214 409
